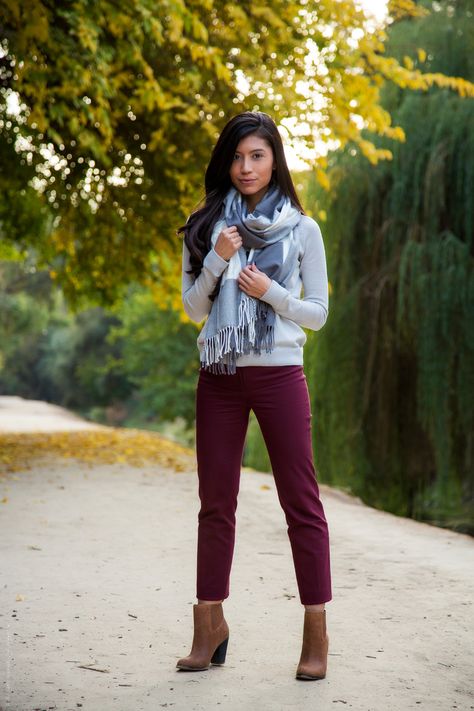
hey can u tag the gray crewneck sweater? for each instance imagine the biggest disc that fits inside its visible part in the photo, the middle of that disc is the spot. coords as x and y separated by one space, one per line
292 312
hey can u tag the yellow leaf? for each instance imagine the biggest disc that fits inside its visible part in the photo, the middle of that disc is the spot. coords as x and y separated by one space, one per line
421 55
322 179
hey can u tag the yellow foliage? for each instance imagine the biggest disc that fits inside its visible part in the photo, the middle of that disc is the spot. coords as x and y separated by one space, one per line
110 445
199 30
402 8
369 150
396 132
421 54
323 179
166 292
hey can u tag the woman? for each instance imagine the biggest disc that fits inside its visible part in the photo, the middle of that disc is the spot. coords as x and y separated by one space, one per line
246 254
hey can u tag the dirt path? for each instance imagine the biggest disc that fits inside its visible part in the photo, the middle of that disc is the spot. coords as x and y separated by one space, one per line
20 415
97 587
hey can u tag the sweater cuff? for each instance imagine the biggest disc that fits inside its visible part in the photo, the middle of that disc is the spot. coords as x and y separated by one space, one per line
215 263
275 295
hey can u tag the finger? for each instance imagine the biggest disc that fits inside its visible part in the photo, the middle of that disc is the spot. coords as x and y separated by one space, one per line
245 280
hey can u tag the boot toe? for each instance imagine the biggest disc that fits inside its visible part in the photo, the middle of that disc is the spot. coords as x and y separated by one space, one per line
183 665
308 674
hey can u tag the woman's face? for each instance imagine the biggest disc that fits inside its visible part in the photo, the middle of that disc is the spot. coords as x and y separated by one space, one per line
252 167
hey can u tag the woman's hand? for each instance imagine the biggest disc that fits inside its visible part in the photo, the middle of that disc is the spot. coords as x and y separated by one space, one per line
253 282
228 242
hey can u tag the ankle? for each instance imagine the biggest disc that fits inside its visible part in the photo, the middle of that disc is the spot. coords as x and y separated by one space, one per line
314 608
209 602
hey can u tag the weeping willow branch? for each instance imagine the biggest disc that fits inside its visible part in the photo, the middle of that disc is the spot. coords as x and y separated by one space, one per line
393 370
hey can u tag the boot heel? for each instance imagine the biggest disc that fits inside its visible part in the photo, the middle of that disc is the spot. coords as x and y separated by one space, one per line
219 654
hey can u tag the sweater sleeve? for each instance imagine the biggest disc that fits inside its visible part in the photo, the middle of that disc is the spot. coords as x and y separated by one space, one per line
195 292
312 310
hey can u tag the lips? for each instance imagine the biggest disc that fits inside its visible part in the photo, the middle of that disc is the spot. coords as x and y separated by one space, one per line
247 181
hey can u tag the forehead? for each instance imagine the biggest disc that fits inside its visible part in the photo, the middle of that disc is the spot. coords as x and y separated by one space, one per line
252 143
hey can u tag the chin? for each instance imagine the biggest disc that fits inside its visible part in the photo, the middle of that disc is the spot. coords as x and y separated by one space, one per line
249 191
252 189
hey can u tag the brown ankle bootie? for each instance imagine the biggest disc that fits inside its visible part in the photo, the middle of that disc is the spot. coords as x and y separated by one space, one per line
211 636
314 654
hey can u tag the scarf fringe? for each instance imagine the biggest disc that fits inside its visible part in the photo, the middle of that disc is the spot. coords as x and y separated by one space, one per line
220 352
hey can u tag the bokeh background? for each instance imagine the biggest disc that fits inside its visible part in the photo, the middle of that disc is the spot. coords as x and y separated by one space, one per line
108 114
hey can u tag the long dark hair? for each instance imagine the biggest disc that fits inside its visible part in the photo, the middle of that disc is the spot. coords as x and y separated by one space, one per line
199 226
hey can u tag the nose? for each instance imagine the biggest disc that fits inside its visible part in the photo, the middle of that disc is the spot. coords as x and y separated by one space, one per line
245 165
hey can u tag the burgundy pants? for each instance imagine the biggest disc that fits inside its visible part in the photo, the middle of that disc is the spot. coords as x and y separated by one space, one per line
278 395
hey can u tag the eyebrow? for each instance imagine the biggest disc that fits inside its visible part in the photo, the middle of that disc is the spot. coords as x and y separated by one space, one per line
253 150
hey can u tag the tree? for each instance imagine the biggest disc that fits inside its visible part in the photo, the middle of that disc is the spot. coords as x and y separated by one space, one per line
158 356
392 377
135 360
119 106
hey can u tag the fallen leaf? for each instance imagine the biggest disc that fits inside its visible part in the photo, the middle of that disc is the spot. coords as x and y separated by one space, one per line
105 446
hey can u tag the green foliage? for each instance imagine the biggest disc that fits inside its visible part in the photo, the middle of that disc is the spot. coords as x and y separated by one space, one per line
136 364
256 453
392 377
158 355
23 316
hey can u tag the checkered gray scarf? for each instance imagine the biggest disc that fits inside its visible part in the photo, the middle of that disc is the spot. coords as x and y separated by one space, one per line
238 323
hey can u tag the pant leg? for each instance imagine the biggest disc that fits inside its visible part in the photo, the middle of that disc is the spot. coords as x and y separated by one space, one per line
222 416
282 407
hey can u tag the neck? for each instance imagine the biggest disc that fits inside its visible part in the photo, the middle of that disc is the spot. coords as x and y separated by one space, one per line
253 200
